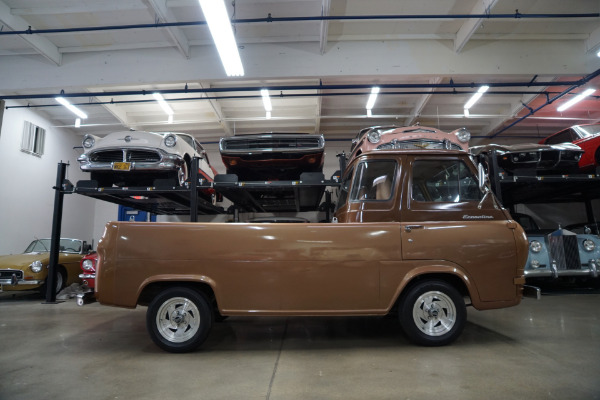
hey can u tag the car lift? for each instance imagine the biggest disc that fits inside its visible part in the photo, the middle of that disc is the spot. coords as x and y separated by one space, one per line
167 198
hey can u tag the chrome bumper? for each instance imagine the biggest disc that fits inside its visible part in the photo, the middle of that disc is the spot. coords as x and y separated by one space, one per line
19 282
554 272
169 162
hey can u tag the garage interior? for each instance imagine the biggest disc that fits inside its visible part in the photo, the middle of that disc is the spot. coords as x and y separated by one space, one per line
319 60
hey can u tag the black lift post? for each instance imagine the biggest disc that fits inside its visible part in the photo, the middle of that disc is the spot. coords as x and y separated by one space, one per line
55 239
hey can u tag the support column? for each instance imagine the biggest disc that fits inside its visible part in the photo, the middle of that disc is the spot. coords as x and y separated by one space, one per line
55 238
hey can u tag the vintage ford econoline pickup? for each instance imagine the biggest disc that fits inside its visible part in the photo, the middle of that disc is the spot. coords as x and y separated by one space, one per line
414 233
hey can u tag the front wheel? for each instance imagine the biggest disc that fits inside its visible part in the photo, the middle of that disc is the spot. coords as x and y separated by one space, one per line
432 313
179 319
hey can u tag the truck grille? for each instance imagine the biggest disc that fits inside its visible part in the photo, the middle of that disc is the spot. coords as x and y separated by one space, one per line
8 273
125 155
564 250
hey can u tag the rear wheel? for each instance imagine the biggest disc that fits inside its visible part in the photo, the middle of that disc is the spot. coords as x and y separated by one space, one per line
432 313
179 319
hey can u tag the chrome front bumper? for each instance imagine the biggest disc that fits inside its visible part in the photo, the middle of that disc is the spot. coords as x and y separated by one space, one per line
169 162
590 271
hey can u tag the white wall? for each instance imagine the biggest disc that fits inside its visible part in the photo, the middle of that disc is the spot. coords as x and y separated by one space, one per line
27 181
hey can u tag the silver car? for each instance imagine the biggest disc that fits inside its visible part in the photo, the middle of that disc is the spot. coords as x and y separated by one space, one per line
137 158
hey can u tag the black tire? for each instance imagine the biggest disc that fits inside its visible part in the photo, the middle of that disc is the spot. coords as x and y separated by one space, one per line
61 279
432 313
179 319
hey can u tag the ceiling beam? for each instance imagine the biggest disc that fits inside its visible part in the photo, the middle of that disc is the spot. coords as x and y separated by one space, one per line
421 103
469 27
218 111
164 13
41 45
592 44
88 7
516 107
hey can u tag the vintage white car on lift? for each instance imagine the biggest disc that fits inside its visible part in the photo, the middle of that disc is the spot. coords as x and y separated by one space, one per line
137 158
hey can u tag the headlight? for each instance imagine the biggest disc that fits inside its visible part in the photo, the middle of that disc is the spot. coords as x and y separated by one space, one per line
374 136
463 135
535 246
88 141
589 245
88 265
36 266
170 140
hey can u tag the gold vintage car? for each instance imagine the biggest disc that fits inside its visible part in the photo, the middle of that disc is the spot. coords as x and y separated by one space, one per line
29 271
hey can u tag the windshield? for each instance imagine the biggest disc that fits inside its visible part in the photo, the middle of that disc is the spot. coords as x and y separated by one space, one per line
65 246
587 130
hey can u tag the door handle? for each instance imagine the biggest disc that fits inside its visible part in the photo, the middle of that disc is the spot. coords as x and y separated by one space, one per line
409 228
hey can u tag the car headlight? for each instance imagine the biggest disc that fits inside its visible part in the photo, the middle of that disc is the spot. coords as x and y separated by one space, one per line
374 136
535 246
589 245
36 266
88 265
88 141
463 135
170 140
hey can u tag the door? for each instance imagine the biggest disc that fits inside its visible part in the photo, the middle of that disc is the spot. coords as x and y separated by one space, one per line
446 221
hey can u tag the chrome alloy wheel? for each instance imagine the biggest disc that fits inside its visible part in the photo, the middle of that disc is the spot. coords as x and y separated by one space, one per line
434 313
178 319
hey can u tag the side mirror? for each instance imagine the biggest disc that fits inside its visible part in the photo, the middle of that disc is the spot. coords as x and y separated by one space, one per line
481 176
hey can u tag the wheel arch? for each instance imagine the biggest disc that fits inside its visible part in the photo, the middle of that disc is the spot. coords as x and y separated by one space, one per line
457 281
152 289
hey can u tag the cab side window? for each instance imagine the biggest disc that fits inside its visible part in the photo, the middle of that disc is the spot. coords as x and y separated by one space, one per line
374 180
449 181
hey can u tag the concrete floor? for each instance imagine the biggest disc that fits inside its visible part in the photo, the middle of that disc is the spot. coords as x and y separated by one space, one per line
547 349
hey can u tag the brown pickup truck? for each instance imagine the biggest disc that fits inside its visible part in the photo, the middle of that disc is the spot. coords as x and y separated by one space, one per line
414 233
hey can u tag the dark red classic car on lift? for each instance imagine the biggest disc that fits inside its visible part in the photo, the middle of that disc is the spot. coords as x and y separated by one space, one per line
585 136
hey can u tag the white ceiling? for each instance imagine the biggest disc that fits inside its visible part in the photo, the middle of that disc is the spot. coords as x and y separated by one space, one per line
430 44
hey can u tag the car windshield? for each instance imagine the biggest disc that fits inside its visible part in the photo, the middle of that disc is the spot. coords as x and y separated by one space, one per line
65 246
188 140
587 130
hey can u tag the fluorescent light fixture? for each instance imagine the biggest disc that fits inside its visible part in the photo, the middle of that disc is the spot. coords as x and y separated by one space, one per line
162 103
467 113
222 34
369 114
598 53
78 123
266 100
576 99
71 107
372 98
476 97
268 116
170 119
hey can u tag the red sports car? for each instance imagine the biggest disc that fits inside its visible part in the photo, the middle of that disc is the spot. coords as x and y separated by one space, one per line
585 136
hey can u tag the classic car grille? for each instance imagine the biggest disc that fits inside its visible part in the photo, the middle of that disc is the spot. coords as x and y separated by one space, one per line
417 144
564 250
130 155
143 155
8 273
272 143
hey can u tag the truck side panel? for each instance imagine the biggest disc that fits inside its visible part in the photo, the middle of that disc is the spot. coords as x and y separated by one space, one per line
295 268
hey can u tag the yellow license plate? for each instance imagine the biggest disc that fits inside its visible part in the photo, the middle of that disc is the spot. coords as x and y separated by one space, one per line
121 166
